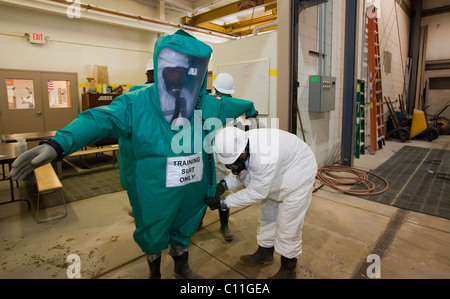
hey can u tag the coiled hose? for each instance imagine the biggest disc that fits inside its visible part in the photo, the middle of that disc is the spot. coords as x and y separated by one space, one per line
338 176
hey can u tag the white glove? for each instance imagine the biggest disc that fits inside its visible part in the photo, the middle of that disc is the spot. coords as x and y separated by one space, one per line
31 159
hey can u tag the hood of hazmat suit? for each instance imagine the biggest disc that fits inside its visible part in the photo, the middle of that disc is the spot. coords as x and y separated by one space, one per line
180 78
166 167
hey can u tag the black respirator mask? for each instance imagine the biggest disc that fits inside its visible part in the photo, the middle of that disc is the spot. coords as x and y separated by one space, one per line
237 166
174 78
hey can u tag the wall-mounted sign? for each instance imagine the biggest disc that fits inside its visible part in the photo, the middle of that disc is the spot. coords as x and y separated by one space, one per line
36 38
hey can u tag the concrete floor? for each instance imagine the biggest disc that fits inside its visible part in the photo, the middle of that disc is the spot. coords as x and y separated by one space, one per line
340 232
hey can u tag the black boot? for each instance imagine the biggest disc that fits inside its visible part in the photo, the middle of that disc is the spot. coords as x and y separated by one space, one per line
262 256
226 233
154 263
287 269
182 270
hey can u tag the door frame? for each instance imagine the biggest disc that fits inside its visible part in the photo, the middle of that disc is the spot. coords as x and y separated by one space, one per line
49 121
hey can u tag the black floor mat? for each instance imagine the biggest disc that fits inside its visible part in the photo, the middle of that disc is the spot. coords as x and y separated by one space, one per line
84 186
419 180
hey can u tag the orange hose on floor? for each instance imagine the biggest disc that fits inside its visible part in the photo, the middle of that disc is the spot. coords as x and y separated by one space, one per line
338 176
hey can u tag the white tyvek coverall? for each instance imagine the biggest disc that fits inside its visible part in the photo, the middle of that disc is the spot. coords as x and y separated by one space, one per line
281 173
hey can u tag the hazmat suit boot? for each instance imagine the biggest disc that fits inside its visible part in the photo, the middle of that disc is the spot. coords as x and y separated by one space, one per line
154 263
181 269
224 229
287 269
262 256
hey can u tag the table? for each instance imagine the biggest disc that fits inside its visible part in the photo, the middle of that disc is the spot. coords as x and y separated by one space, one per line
7 156
31 136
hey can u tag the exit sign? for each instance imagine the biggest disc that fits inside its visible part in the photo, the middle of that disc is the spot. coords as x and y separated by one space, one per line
36 38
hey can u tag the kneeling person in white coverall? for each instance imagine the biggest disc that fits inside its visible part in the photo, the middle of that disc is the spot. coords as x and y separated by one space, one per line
278 170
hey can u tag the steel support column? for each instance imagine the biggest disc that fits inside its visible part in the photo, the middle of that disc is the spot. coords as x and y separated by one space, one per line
414 47
293 62
287 82
349 88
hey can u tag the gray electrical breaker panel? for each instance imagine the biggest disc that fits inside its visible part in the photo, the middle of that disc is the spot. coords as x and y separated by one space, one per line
322 93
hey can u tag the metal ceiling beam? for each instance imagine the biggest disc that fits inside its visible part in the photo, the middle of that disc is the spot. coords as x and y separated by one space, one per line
252 30
243 27
213 27
225 11
238 30
436 11
250 23
246 32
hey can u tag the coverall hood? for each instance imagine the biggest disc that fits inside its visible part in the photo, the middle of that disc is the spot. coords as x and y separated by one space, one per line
181 64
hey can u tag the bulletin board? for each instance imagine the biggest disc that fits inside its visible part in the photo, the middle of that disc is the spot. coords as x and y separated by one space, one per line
251 82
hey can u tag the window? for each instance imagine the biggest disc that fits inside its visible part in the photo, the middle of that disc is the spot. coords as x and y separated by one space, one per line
20 94
58 94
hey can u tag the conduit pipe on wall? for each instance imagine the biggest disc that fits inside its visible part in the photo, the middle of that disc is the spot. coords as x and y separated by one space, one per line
98 14
264 26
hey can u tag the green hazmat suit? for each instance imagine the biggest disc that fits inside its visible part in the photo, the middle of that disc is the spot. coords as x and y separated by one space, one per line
136 87
167 170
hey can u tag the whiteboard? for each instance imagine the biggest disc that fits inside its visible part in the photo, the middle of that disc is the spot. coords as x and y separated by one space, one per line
251 82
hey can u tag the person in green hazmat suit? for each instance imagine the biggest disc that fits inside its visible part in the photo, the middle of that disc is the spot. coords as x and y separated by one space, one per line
166 160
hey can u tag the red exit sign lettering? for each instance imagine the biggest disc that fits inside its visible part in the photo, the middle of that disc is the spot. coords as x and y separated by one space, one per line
36 38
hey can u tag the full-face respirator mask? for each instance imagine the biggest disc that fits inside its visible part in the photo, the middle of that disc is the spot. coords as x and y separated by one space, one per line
174 78
239 165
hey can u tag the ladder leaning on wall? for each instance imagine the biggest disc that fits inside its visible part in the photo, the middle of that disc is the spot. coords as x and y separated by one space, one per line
377 125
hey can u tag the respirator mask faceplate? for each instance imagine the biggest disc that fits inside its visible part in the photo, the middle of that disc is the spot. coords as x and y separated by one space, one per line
180 78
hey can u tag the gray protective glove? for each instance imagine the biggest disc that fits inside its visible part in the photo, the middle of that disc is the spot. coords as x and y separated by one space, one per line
31 159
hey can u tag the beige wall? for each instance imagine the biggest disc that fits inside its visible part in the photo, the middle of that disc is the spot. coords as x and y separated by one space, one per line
250 49
72 44
437 48
438 44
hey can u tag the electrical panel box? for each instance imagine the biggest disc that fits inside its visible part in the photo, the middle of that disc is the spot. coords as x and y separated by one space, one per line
322 93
